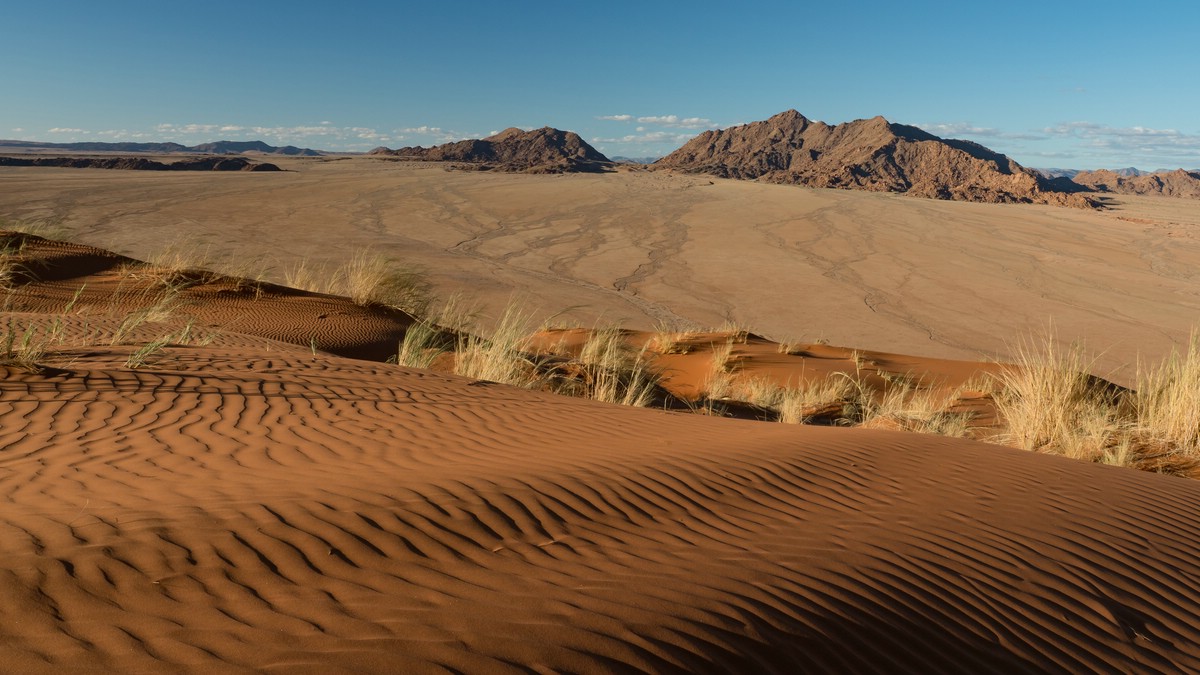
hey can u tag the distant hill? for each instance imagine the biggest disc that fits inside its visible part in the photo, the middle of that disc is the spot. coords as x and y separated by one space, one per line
242 147
142 163
1131 172
872 154
1057 173
1177 183
216 148
545 150
636 160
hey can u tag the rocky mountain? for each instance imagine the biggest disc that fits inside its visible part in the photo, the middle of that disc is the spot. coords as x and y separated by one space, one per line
142 163
216 148
1177 183
545 150
872 154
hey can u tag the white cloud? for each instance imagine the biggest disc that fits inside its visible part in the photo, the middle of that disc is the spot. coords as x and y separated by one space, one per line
438 135
660 137
325 135
676 121
126 135
1136 142
670 121
17 129
967 130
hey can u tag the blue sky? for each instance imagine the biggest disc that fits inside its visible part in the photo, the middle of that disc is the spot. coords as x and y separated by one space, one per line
1051 83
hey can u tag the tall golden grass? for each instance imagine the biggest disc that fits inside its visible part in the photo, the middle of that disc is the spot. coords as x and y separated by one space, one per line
367 279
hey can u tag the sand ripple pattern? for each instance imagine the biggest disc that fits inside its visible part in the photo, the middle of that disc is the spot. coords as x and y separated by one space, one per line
228 511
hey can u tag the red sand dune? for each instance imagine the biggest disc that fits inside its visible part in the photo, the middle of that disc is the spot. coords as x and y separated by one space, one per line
253 505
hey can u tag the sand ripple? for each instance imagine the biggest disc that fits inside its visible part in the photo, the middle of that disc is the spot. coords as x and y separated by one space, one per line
232 510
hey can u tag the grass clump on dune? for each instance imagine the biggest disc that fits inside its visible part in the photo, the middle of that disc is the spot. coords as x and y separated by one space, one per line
26 347
614 371
367 279
905 406
421 346
1050 403
502 357
801 403
1167 402
720 376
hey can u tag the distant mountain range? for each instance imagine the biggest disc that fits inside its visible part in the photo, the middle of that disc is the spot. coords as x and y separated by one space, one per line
141 163
1177 183
215 148
545 150
872 154
1127 172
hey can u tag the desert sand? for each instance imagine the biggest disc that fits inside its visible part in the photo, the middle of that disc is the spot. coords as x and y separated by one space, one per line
256 499
864 270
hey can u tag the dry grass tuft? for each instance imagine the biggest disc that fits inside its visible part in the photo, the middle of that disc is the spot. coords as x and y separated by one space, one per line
46 228
903 405
720 377
823 397
367 279
502 357
1050 403
1167 402
613 371
423 343
306 275
26 348
668 341
151 351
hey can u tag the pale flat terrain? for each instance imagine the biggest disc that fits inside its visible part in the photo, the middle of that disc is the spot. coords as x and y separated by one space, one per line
876 271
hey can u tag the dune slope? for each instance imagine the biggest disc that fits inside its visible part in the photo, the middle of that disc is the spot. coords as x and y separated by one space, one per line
255 506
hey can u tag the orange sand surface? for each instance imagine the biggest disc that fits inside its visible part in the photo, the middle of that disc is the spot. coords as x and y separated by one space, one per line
257 504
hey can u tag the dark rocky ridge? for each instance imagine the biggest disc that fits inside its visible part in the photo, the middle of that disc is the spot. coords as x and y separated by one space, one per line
545 150
869 154
142 163
216 147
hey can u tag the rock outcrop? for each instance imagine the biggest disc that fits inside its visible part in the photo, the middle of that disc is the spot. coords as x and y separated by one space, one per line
872 154
545 150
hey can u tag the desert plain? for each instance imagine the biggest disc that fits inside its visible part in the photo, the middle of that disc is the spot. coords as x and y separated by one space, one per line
867 270
261 501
